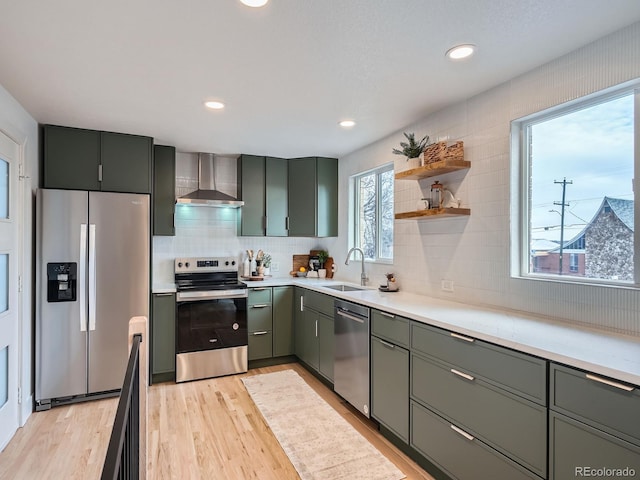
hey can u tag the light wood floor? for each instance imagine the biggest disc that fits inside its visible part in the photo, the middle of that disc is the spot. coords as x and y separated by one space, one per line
197 430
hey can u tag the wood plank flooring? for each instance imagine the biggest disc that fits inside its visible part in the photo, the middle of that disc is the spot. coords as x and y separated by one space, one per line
197 430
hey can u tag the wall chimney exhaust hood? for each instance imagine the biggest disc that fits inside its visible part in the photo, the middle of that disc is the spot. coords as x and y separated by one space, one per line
207 194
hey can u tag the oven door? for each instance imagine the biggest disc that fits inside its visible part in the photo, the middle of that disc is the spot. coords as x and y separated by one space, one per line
211 320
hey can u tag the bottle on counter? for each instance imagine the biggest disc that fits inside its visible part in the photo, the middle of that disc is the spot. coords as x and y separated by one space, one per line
246 268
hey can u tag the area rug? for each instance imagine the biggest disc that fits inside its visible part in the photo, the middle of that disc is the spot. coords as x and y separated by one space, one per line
319 442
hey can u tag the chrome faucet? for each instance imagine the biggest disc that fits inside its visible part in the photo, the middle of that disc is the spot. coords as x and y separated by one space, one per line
363 276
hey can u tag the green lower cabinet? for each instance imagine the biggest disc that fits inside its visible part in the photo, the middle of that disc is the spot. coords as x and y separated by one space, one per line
494 415
307 338
260 345
458 453
390 386
579 450
326 346
283 340
163 331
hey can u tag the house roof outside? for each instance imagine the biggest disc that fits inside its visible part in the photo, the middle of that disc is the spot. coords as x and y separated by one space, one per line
622 208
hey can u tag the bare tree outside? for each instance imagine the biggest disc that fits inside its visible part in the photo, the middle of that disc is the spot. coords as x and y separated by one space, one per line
375 214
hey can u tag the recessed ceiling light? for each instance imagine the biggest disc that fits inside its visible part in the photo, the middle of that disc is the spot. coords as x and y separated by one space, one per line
347 123
255 3
214 105
460 51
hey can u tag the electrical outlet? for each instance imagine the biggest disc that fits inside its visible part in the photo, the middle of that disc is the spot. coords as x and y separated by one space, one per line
447 285
275 267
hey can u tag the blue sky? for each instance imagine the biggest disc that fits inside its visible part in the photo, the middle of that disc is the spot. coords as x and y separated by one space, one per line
594 149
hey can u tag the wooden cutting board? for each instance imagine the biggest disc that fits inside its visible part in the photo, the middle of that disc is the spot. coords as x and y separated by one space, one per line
299 261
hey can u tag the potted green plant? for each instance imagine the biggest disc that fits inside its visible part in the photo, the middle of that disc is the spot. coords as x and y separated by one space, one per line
323 255
266 262
412 149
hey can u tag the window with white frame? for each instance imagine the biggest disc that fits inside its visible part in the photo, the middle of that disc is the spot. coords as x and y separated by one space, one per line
576 164
373 213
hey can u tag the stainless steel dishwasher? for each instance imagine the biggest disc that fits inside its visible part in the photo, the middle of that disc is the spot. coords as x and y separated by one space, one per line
351 367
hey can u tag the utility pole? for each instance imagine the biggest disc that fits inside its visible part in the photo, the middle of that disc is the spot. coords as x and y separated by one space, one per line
564 183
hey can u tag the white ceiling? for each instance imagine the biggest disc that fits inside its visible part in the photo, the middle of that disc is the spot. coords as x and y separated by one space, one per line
287 72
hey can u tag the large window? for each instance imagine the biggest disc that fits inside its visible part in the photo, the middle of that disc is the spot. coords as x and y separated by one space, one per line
373 213
577 204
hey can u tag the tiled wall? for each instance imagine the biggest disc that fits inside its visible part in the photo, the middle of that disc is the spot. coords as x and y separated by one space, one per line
207 231
474 252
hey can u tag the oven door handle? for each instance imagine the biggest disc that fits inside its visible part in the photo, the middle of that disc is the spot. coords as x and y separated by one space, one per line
200 296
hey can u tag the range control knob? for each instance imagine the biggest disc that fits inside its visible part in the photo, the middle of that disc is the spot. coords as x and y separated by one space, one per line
233 262
226 264
186 264
179 264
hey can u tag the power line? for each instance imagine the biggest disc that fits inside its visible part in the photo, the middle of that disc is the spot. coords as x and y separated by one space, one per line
564 183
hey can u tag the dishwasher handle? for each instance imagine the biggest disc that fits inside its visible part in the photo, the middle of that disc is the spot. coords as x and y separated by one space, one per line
344 314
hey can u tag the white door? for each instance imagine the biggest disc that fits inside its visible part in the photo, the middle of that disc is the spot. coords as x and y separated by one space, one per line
9 317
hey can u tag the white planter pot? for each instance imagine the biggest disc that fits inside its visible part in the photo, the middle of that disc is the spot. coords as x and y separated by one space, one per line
404 163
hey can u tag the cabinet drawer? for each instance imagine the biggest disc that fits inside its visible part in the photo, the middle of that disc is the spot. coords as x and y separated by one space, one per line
574 445
460 457
497 417
259 295
391 327
517 372
319 302
612 408
390 386
259 317
259 345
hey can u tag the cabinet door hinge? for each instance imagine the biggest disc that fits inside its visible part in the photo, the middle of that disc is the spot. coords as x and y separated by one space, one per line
19 395
19 283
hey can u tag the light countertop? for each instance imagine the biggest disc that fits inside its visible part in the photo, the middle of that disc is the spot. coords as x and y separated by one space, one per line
604 353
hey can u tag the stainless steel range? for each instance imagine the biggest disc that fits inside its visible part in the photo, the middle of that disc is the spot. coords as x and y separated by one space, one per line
211 318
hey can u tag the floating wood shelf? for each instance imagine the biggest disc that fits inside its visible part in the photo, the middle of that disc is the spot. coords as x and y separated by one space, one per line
433 169
433 213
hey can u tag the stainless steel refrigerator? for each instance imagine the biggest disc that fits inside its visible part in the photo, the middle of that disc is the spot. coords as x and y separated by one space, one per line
92 274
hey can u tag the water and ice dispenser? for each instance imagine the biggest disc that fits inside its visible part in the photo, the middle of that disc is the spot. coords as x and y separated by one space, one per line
62 282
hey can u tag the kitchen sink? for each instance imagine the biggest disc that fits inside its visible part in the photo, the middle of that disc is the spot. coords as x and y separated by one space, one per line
344 288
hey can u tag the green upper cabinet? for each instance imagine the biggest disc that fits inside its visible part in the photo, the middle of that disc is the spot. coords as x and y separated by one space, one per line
251 189
296 198
80 159
164 189
71 158
126 162
313 197
277 199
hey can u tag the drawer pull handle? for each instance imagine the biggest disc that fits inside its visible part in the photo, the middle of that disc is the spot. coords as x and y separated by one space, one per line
463 433
462 374
388 315
260 305
462 337
387 344
611 383
260 289
260 333
163 294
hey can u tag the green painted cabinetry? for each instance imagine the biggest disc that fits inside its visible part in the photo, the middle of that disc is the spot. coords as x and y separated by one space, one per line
270 322
276 197
164 189
80 159
283 340
260 323
251 189
390 386
313 197
593 424
314 336
163 331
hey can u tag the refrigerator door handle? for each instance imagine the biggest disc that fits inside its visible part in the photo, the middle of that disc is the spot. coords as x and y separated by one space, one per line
82 289
92 276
